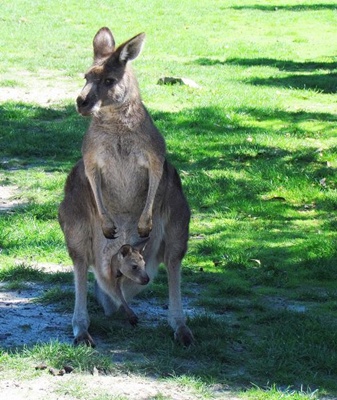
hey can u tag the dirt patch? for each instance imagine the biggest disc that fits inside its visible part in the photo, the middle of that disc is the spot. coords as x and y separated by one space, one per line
43 87
108 387
23 321
8 198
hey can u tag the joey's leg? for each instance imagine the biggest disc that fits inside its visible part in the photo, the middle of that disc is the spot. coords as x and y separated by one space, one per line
132 317
81 320
105 300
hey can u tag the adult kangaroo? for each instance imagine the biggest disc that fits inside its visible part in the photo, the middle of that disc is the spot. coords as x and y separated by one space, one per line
124 188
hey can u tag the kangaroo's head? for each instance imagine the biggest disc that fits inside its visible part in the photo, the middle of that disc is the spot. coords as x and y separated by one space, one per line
131 263
110 81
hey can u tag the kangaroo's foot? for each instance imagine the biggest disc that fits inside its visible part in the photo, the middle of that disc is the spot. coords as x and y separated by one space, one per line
184 335
84 339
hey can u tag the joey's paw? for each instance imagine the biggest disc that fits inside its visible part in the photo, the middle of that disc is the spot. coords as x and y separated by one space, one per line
84 339
133 319
184 336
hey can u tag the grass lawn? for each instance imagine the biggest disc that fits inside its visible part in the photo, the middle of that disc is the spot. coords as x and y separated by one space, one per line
256 148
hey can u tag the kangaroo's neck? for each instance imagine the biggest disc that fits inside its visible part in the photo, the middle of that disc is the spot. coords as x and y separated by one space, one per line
130 114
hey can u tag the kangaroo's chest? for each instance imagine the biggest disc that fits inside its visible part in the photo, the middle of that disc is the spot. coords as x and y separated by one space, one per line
121 155
123 164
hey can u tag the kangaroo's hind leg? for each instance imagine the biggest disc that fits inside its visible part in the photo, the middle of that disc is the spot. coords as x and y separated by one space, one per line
175 247
81 319
176 318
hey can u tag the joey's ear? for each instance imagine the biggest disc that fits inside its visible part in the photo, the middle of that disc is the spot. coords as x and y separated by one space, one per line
131 49
104 44
140 246
125 250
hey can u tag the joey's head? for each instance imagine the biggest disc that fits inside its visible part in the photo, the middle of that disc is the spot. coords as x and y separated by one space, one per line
132 264
110 80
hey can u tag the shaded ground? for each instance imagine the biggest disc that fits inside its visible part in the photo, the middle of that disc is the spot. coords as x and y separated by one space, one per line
24 321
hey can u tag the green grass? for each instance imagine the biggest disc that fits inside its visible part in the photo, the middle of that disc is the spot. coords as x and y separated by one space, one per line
57 355
256 148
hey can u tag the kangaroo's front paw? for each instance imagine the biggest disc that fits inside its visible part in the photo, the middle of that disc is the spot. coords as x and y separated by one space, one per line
109 230
144 226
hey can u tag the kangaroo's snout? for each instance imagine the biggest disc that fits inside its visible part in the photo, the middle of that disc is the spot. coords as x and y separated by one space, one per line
81 102
84 106
87 101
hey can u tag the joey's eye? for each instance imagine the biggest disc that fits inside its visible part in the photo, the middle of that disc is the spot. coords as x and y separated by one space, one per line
134 267
109 82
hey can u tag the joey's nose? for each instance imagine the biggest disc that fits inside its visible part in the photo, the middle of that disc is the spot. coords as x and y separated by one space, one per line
145 280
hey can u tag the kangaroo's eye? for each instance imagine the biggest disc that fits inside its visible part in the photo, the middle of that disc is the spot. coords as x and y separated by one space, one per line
134 267
109 82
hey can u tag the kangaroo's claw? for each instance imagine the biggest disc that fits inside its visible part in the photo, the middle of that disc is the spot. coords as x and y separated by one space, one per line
110 232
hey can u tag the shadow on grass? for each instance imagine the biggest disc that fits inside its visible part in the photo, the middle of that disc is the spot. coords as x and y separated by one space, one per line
240 342
42 134
283 65
295 8
324 83
208 140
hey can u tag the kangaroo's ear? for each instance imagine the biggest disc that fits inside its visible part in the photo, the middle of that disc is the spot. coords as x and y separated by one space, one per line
125 250
131 49
140 246
104 44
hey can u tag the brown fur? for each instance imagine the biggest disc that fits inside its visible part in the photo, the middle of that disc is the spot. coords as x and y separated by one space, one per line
122 189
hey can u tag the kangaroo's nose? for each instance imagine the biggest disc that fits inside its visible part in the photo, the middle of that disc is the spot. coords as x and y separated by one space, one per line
81 102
